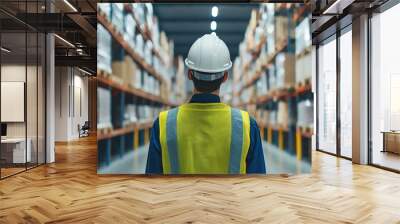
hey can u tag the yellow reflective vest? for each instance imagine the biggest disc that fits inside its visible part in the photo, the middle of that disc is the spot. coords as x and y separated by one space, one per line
204 138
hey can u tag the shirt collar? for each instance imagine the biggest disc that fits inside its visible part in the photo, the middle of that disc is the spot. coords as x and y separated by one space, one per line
205 98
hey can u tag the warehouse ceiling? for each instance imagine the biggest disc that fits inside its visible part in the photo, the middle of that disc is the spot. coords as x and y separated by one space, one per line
184 23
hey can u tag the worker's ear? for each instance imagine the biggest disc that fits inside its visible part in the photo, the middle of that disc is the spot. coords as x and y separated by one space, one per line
225 76
190 74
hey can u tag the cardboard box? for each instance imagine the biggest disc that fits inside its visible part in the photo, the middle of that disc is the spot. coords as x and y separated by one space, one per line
129 76
283 29
104 50
285 70
117 16
129 30
305 114
138 79
119 71
303 68
139 45
103 108
283 114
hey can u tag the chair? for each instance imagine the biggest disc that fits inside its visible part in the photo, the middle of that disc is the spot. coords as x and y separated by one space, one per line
84 130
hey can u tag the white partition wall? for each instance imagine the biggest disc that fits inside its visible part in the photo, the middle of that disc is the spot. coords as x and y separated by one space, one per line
71 102
22 90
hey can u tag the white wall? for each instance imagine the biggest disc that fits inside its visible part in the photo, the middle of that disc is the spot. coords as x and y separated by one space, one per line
71 94
13 73
16 73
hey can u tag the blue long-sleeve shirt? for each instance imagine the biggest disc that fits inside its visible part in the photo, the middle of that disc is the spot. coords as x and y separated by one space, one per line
255 157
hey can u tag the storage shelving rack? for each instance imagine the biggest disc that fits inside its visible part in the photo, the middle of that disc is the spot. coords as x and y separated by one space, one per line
115 142
293 139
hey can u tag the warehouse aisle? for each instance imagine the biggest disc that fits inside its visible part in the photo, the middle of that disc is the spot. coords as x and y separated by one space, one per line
140 75
133 162
277 162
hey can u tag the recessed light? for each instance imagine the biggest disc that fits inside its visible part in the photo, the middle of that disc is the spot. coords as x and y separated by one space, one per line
214 11
65 41
84 71
5 50
70 5
213 25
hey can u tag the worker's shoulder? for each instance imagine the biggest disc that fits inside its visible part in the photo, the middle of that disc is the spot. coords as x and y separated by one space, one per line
165 112
253 121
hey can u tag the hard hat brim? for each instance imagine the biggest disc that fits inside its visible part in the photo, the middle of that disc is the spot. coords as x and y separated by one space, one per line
225 68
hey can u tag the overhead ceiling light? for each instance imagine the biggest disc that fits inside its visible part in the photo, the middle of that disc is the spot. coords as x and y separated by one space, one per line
65 41
5 50
214 11
79 51
213 25
70 5
84 71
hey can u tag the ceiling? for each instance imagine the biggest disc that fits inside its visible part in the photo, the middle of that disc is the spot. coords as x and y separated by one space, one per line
184 23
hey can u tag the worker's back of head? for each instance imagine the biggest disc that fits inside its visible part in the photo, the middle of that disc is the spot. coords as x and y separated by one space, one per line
208 62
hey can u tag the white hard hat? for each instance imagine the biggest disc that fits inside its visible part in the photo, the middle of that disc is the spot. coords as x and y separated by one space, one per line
209 54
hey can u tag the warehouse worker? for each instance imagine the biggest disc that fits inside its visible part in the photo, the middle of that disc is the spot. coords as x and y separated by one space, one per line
206 136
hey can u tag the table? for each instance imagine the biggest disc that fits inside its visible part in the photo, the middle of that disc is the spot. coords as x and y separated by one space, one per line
391 141
13 150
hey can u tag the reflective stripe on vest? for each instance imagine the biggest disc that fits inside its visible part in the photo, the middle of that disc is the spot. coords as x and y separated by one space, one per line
172 140
236 141
238 148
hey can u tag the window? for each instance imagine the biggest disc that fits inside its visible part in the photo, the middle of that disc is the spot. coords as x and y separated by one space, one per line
346 93
22 77
327 96
385 89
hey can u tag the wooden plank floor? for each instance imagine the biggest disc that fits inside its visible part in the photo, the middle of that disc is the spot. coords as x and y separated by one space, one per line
70 191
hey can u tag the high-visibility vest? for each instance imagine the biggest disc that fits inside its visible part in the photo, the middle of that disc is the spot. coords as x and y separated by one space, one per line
204 138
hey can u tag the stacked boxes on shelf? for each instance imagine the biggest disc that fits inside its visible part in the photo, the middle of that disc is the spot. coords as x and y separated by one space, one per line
305 107
272 81
117 16
136 66
179 93
285 74
283 28
303 51
130 114
262 84
129 29
305 111
139 28
267 21
104 41
104 108
268 71
105 8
